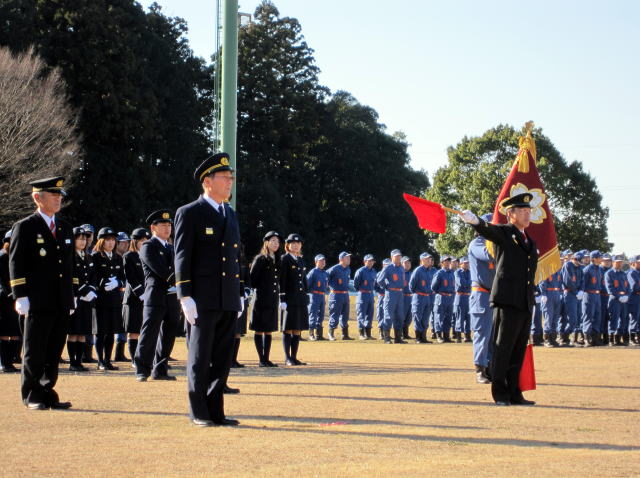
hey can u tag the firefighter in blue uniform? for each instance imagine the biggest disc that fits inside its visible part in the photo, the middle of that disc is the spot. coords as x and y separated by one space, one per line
618 288
462 278
41 279
443 286
633 277
364 282
421 302
380 304
605 265
550 303
317 286
207 271
406 291
572 284
392 280
338 277
483 269
592 278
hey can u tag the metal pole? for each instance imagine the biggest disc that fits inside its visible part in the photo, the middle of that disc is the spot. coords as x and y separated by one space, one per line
229 88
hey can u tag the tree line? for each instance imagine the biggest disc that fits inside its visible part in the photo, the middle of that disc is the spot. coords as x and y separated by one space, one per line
310 161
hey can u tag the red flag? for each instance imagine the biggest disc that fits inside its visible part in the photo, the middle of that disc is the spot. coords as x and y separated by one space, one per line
524 178
430 215
528 371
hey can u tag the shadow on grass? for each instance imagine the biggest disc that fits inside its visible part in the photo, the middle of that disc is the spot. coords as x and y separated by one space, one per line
577 385
440 402
235 381
459 440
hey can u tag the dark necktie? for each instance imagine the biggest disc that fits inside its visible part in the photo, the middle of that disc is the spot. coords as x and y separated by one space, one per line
52 227
221 209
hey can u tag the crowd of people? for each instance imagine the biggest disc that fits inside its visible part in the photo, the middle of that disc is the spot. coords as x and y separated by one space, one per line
143 290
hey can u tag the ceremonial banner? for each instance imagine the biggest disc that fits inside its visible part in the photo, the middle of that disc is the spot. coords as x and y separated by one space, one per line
430 215
524 178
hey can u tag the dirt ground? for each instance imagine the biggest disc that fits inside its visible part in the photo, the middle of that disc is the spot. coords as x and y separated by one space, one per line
358 409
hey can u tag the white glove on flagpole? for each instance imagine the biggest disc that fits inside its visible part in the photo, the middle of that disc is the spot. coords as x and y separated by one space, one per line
543 299
190 310
580 295
283 306
22 305
470 218
241 307
89 297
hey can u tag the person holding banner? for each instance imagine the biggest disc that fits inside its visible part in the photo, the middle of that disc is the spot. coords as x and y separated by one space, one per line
512 294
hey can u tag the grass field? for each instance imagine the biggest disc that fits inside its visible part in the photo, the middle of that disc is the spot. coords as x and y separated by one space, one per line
359 409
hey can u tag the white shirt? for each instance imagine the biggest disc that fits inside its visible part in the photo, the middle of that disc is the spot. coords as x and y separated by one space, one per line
164 243
216 205
47 219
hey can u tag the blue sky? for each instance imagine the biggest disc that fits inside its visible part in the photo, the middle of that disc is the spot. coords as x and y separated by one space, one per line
440 71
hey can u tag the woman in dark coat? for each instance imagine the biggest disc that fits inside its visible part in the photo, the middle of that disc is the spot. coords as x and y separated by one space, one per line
293 298
110 278
9 319
265 279
133 300
80 322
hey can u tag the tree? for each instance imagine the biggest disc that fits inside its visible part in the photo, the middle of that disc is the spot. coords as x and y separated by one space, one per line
475 174
308 162
145 101
38 130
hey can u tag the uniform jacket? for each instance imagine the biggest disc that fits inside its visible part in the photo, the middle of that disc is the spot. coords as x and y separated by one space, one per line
633 277
406 290
392 277
616 283
481 264
572 277
317 281
265 278
339 277
516 264
551 286
420 281
443 282
462 280
364 280
84 278
41 266
293 284
134 276
207 250
158 267
106 268
5 286
603 288
591 279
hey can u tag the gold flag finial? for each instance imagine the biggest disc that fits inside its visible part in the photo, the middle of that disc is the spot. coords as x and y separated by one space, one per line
527 148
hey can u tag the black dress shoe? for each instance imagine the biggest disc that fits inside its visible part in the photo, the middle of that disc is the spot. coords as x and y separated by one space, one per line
502 403
237 364
201 423
167 377
523 401
290 363
263 364
37 406
110 366
298 362
141 378
60 406
228 389
78 368
271 364
226 422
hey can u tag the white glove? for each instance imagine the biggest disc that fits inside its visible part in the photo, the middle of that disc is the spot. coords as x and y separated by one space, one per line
112 284
543 299
75 306
580 295
241 307
623 299
22 305
537 299
172 290
89 297
190 310
283 306
470 218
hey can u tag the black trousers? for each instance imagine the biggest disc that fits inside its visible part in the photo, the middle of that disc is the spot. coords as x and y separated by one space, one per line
157 336
45 334
511 328
209 360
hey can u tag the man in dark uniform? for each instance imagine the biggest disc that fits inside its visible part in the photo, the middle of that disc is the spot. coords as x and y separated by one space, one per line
207 249
512 295
161 310
41 272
